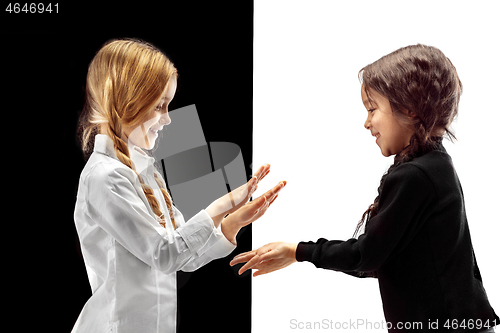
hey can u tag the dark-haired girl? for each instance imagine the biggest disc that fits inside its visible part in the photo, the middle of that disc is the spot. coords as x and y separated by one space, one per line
414 237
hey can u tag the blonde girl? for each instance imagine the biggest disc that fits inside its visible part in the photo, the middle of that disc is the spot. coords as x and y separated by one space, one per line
415 237
133 239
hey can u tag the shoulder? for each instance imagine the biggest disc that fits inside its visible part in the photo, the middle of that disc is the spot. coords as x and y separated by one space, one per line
102 170
436 164
407 180
407 173
430 164
429 174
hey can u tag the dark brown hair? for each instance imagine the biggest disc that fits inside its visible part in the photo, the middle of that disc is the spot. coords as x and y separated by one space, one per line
418 80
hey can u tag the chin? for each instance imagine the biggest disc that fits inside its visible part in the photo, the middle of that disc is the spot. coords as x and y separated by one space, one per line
145 144
148 146
385 153
151 144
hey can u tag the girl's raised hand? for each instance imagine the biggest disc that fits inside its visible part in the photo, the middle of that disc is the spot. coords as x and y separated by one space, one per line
267 259
234 200
256 208
249 212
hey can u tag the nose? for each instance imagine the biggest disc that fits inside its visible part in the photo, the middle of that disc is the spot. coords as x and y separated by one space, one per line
165 119
368 121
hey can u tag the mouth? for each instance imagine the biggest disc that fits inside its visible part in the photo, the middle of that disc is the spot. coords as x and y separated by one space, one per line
377 136
156 129
155 132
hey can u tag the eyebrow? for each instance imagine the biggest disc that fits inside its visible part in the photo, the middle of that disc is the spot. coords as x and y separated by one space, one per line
164 99
368 103
170 97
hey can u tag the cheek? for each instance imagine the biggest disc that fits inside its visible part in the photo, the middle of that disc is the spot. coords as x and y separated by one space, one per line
138 134
151 122
385 123
376 121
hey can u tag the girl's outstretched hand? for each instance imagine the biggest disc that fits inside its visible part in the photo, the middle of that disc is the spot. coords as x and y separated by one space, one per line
249 212
234 200
267 259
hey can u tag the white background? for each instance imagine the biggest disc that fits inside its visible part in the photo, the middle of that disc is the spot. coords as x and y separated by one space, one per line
308 123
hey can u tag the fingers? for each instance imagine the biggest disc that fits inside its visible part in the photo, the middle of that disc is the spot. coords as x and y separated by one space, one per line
251 258
254 258
271 254
277 188
275 197
261 272
266 171
264 266
258 207
242 194
259 175
262 171
271 195
242 257
252 262
269 267
252 184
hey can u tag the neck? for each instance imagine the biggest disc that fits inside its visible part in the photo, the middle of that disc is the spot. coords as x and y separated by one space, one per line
103 129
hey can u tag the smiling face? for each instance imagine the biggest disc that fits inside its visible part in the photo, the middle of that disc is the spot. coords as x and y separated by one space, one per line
145 134
391 136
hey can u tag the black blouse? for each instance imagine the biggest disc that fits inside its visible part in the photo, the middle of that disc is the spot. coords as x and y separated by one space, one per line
420 249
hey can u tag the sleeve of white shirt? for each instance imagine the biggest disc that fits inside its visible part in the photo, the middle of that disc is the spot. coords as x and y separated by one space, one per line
216 247
117 207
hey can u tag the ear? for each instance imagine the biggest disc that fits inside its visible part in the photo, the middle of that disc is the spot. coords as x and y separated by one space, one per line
410 113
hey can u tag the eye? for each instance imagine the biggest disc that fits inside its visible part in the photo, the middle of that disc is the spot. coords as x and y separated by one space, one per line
158 107
371 110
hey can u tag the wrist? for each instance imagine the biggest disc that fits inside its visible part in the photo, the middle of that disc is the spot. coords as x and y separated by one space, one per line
229 229
292 250
214 211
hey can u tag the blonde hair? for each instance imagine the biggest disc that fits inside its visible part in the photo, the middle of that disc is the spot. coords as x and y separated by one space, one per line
125 80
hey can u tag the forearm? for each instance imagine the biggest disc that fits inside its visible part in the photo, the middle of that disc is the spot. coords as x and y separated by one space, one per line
230 229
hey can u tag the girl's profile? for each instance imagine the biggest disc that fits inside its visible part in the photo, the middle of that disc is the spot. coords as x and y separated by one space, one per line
414 238
133 239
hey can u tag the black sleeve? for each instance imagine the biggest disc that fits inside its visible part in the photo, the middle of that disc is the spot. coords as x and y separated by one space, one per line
407 199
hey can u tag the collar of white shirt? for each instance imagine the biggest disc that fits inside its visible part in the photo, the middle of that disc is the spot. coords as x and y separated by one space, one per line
104 145
142 161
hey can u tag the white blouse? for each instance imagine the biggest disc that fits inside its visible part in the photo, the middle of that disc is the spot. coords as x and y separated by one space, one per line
131 260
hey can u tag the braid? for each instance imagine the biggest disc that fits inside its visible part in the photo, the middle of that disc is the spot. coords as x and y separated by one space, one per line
167 198
123 154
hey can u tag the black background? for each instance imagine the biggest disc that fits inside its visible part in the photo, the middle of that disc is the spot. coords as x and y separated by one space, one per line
44 64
